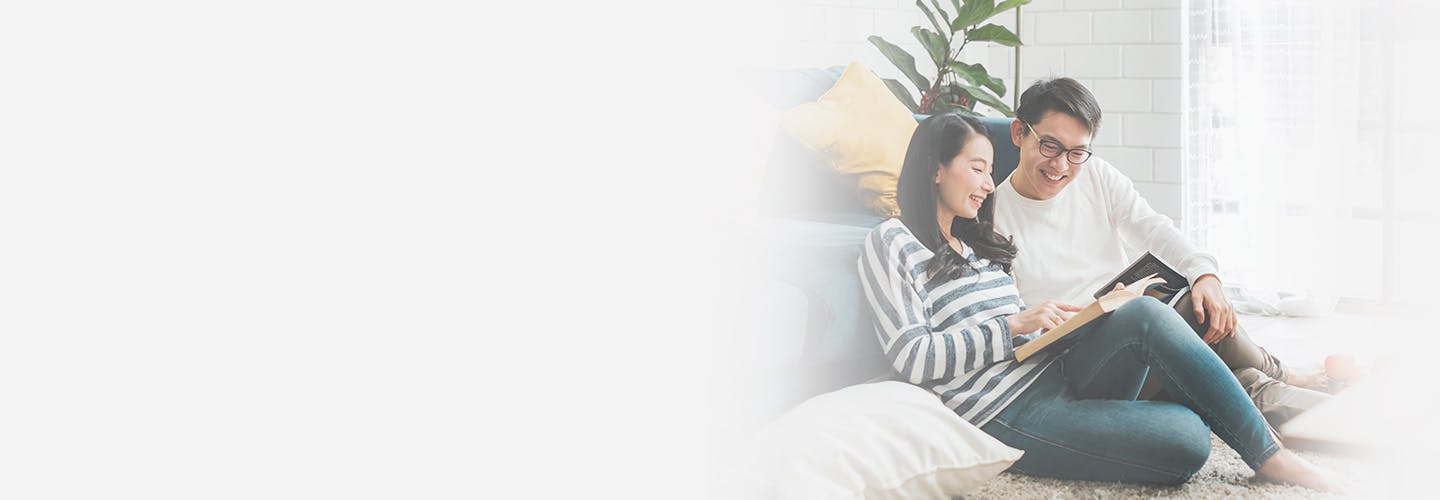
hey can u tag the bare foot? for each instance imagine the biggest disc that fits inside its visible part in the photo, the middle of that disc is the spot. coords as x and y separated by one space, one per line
1340 371
1287 467
1314 380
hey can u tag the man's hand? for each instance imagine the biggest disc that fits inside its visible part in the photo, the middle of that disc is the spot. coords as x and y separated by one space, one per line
1044 316
1213 308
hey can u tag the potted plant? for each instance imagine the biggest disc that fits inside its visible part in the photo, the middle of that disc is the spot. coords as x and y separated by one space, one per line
957 86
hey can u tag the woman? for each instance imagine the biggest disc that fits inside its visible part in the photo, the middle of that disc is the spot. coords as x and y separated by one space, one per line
949 318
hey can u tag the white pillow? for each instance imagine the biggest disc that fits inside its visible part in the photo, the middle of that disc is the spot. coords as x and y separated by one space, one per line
881 440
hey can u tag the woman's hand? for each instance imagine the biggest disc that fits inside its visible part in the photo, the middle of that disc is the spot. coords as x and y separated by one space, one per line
1044 316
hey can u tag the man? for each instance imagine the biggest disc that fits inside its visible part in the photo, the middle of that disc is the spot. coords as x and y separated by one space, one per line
1077 221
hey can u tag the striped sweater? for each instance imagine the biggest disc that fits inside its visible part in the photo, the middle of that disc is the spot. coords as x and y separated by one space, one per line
950 336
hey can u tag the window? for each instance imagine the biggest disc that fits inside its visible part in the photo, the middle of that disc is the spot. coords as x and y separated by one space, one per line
1306 127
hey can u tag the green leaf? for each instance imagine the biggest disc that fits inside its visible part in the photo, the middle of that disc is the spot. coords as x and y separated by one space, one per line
902 60
931 15
993 33
902 93
971 14
943 15
983 96
1007 5
937 45
977 74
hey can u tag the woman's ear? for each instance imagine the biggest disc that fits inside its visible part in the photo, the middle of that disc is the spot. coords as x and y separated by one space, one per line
939 170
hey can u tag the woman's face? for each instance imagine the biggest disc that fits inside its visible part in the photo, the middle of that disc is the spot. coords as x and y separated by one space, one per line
964 183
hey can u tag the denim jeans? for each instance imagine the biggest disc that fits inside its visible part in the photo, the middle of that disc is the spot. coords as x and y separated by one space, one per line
1080 419
1238 351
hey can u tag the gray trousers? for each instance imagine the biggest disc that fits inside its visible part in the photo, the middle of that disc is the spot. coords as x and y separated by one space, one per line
1261 373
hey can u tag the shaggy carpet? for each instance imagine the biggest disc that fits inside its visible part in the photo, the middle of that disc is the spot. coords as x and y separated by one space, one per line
1224 476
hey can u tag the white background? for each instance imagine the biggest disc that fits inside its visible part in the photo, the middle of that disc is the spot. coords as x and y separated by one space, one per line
350 250
313 249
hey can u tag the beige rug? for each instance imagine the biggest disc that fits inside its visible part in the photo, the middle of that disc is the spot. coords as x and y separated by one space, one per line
1224 476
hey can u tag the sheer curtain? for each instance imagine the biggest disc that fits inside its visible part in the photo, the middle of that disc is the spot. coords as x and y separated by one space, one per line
1300 118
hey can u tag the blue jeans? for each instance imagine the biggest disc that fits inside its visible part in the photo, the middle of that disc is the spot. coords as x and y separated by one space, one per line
1080 419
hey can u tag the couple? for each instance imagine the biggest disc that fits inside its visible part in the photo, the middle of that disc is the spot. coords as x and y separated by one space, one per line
950 296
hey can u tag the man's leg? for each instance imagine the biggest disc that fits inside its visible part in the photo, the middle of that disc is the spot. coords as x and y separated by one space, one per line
1238 351
1276 400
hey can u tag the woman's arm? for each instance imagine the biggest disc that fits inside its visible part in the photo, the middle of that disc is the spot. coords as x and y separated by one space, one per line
920 354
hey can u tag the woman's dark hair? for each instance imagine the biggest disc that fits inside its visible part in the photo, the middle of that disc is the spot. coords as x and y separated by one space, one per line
1064 95
937 141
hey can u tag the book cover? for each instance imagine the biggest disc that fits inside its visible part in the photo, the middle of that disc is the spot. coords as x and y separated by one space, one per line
1170 290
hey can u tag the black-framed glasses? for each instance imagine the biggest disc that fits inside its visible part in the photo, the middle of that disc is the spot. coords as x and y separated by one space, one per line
1052 149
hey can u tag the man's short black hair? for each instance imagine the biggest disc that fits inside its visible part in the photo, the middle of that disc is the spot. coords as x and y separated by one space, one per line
1064 95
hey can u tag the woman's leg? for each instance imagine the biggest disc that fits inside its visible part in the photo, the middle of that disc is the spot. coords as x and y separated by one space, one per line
1067 437
1147 333
1277 399
1238 351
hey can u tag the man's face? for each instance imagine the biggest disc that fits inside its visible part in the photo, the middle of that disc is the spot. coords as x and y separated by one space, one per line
1039 177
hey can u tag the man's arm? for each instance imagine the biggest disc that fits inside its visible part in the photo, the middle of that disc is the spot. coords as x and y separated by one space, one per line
1140 226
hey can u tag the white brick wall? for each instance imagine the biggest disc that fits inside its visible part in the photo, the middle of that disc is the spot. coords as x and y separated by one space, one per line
1060 28
1043 5
1152 130
1090 61
1166 25
1126 51
824 33
1129 56
1040 60
1167 165
1121 95
1152 4
1092 4
1110 132
1123 26
1152 61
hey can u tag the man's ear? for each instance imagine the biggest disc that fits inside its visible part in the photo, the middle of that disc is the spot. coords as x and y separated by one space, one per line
1017 130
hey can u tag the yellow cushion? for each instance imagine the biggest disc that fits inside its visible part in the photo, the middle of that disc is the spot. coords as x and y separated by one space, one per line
862 130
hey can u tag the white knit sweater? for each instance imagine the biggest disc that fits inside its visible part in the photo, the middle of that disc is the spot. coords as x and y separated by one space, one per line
1072 244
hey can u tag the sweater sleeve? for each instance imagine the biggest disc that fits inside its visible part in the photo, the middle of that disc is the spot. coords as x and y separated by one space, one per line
1140 226
918 352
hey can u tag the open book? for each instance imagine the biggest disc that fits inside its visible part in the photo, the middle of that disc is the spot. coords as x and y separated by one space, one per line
1060 336
1170 291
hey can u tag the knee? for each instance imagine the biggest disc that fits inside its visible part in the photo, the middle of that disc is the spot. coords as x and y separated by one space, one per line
1154 316
1146 307
1190 448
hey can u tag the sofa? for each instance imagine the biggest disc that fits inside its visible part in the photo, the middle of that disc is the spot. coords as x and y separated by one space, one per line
814 313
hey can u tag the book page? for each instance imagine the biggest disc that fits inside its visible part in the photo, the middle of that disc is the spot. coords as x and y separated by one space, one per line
1109 302
1147 264
1138 287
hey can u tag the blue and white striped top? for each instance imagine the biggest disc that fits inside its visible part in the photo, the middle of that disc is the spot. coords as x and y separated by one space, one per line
951 336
